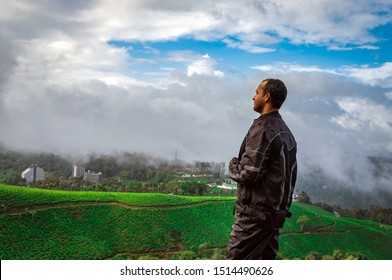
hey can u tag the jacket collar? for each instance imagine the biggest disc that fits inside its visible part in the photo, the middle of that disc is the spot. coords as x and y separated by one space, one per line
273 113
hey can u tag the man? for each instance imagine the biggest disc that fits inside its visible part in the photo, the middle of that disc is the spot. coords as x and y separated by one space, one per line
266 171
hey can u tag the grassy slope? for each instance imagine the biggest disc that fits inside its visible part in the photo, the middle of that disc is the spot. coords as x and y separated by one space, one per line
12 196
102 231
324 232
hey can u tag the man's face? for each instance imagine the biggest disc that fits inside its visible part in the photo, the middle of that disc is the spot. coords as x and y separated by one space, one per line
259 98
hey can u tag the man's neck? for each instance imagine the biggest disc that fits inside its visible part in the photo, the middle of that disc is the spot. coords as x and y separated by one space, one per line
269 111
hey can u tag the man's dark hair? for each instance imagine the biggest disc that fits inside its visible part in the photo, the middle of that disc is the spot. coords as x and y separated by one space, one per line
278 91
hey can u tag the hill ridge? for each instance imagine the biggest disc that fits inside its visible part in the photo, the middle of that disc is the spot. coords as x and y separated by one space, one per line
44 206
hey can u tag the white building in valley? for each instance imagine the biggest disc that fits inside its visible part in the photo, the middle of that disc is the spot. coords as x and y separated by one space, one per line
33 173
78 171
92 177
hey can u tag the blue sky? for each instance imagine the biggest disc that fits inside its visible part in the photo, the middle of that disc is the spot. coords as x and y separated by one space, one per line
228 58
167 77
308 54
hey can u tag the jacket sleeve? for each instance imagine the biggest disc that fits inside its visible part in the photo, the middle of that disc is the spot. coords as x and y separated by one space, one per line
252 164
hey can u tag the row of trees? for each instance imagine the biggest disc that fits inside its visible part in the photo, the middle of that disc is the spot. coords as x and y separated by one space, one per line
106 185
126 172
374 212
127 166
201 252
173 186
142 167
16 162
204 252
336 255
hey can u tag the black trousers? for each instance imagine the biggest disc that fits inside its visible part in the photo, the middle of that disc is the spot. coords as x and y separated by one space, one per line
251 240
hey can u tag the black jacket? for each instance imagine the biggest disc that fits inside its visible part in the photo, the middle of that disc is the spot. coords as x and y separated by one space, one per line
266 170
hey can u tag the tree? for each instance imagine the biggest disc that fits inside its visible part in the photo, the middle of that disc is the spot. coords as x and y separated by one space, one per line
355 256
32 213
186 255
302 220
304 198
218 254
4 206
313 256
15 180
201 188
190 187
202 250
337 254
171 186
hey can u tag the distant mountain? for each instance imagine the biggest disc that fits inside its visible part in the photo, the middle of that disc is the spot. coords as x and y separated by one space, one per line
360 189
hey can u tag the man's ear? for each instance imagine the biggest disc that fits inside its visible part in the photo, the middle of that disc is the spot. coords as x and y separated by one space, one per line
267 96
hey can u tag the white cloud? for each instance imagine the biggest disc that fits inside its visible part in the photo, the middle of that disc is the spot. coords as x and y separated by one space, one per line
182 56
247 46
289 67
204 66
65 60
368 47
364 115
374 76
381 76
351 47
254 25
92 116
145 21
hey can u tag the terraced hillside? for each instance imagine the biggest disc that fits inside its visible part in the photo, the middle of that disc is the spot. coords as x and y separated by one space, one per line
46 224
